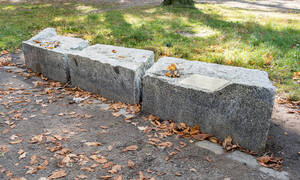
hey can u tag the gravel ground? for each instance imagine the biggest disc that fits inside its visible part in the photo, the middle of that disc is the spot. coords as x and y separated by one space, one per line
74 140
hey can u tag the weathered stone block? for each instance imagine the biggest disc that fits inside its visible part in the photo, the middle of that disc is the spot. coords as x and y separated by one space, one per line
222 100
113 72
47 53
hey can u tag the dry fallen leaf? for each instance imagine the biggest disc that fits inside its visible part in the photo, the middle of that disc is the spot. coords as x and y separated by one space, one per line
202 137
193 170
178 174
43 165
130 164
36 139
118 178
227 144
3 148
98 159
213 140
34 159
21 151
172 71
109 148
116 114
130 148
115 169
208 159
172 67
23 155
92 144
82 176
104 127
106 177
94 165
271 162
32 170
87 169
57 174
165 144
107 165
16 142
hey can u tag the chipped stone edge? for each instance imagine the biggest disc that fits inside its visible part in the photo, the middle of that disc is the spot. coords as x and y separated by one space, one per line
241 157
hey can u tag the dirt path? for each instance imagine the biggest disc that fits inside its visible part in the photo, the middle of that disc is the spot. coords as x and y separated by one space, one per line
43 130
264 5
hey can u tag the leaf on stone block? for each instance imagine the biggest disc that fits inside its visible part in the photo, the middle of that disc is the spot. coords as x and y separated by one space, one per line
130 148
168 74
172 67
202 137
57 174
36 41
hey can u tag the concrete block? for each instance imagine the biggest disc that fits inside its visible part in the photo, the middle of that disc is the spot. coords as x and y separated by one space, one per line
244 158
47 53
222 100
111 71
215 148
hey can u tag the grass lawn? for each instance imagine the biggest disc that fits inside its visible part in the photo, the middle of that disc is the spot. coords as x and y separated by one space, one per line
211 33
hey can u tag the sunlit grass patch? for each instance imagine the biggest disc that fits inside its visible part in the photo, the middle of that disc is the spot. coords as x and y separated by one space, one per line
268 41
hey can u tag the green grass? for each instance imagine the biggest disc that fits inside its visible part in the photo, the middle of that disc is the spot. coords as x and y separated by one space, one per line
237 37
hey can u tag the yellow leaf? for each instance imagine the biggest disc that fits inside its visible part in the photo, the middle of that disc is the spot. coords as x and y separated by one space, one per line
172 67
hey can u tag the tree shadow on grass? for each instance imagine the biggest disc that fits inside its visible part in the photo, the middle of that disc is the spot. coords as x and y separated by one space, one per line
159 30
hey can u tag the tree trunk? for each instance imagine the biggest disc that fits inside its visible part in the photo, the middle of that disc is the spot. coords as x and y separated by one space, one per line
178 2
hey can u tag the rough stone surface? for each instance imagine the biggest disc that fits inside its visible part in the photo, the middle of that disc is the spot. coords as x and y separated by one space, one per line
51 62
283 175
114 72
223 100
